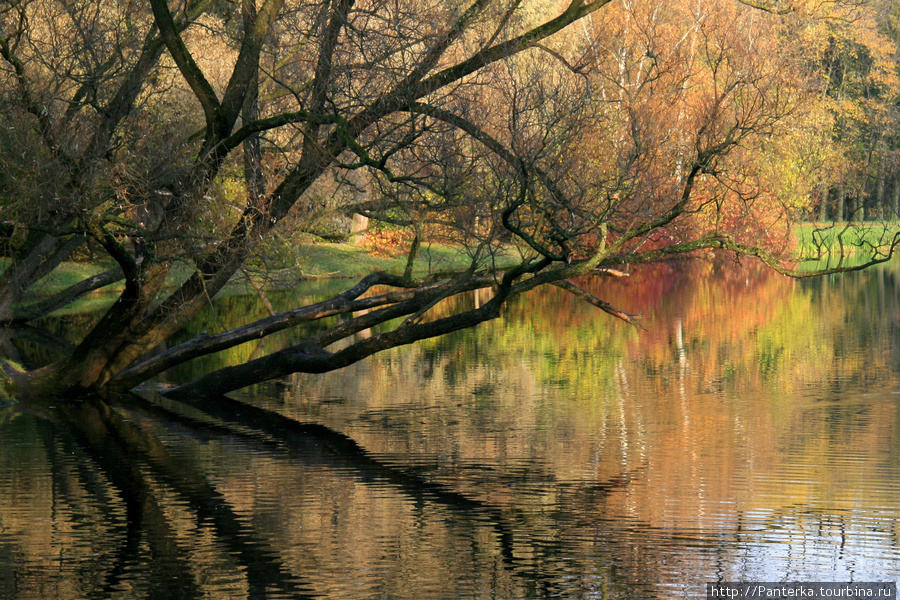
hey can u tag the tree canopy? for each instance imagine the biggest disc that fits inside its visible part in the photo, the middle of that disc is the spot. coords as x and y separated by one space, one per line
546 140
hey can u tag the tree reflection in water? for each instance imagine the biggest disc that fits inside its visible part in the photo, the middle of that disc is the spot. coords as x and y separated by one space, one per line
161 527
749 433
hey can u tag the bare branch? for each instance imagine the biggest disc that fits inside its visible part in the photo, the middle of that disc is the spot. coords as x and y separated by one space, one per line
195 78
344 303
778 7
246 67
601 304
44 307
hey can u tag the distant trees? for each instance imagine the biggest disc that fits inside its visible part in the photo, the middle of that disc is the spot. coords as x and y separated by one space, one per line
851 54
157 134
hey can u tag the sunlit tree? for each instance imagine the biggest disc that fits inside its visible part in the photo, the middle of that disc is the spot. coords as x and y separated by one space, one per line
160 134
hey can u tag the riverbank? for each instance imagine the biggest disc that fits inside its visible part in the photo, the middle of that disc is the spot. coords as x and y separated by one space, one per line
817 239
317 259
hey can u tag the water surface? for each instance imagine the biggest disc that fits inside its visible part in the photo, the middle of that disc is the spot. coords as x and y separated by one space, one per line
749 434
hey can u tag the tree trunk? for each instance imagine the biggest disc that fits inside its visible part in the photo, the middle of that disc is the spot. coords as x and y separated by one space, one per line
358 227
253 177
895 199
839 203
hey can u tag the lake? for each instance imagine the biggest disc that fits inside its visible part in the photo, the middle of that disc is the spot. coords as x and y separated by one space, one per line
749 434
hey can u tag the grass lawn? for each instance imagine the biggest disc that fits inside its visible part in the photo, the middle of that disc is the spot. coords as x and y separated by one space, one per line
63 276
816 240
314 261
347 260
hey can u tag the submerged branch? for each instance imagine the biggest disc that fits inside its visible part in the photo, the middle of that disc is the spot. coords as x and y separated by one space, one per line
307 358
344 303
879 255
601 304
310 355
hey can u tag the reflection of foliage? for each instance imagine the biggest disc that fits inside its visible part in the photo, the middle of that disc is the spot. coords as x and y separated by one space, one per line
553 421
735 378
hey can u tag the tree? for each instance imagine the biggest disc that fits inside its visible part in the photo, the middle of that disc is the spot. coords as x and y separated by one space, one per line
496 120
851 55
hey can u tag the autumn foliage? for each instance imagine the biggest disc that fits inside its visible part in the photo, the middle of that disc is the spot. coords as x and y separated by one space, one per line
573 137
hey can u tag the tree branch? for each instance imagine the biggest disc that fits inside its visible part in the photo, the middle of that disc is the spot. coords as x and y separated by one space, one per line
576 10
246 67
198 83
342 304
65 297
778 7
308 358
601 304
309 355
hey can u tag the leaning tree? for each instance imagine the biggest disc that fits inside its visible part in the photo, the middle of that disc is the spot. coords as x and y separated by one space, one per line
570 139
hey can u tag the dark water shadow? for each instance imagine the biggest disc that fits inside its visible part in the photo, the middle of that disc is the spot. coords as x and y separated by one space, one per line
320 446
137 464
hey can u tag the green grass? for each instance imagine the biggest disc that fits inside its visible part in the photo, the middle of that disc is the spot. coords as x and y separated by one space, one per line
65 275
346 260
824 243
313 261
819 240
